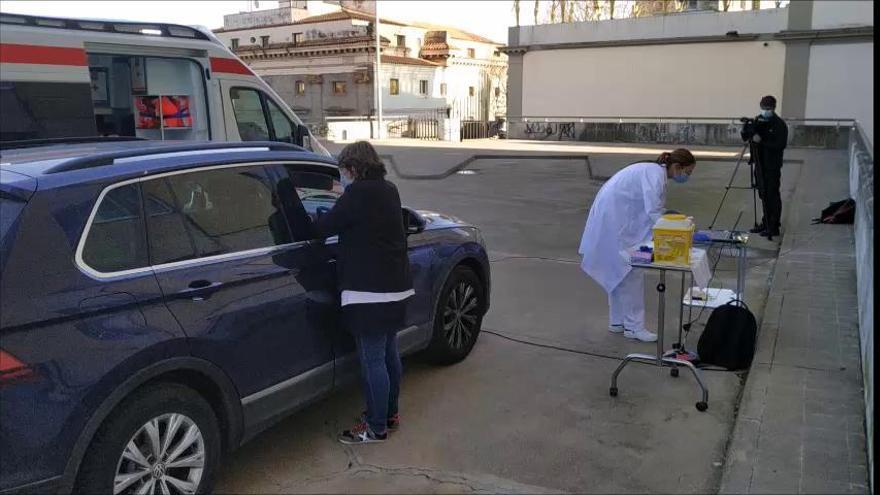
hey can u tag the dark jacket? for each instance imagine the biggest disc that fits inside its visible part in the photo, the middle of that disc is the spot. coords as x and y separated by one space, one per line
774 138
372 239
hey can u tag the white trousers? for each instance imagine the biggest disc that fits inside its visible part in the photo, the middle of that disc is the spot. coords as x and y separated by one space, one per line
626 303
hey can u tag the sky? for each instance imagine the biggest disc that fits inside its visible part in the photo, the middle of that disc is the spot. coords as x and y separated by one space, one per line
489 18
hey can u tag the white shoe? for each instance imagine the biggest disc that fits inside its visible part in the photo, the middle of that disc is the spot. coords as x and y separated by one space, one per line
615 328
642 335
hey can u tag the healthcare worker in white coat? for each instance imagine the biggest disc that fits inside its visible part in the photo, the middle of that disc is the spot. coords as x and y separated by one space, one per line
623 216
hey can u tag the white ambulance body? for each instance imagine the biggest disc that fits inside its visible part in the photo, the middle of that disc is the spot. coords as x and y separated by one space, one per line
67 78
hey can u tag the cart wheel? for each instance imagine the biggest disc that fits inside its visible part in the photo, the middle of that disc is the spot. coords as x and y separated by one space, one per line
673 372
612 391
702 406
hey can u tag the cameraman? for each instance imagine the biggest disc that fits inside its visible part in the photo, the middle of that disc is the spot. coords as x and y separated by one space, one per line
768 136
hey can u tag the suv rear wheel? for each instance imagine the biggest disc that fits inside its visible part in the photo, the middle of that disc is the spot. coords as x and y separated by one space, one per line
163 439
458 317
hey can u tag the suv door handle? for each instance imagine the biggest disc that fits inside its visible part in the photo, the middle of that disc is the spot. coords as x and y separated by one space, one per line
197 288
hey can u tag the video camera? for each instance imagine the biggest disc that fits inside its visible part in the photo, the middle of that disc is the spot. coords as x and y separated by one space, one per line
748 128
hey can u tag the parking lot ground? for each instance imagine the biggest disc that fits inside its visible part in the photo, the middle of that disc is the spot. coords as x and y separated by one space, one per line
516 417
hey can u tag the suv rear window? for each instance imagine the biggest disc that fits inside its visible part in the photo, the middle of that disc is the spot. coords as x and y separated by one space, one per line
116 239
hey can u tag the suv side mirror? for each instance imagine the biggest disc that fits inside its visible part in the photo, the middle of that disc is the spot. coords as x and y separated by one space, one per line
413 222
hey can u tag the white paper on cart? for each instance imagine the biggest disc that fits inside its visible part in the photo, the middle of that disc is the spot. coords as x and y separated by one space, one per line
700 267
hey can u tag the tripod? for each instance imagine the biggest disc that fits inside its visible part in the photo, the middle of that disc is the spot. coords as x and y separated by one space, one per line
752 186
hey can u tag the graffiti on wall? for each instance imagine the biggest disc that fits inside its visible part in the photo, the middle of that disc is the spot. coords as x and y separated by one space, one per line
549 130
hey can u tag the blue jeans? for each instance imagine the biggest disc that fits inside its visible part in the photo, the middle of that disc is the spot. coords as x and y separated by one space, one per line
380 376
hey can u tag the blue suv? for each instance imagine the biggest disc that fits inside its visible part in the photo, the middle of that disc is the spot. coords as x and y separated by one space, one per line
162 303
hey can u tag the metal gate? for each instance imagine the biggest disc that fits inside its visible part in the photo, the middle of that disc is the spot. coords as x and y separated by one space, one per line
418 125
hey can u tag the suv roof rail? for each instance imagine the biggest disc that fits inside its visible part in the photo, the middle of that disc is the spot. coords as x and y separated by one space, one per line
159 29
102 159
30 143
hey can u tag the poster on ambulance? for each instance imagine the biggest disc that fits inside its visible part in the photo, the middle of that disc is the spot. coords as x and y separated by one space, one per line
163 112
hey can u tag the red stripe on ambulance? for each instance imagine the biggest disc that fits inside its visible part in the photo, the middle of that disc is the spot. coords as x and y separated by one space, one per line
43 55
230 66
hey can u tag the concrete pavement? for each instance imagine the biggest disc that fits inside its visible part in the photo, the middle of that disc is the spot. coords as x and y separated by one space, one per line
800 427
529 411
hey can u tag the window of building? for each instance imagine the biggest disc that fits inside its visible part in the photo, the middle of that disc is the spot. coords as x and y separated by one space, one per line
338 87
471 91
395 87
116 239
401 40
297 38
264 40
497 92
234 43
442 89
472 53
423 87
300 88
253 40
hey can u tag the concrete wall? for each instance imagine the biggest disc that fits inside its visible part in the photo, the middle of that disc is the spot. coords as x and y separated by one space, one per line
705 80
657 27
842 13
841 83
862 190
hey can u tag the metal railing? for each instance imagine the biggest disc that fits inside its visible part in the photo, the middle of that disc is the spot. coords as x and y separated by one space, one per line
829 132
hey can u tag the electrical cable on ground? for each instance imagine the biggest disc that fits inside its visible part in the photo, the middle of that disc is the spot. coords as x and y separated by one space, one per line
578 351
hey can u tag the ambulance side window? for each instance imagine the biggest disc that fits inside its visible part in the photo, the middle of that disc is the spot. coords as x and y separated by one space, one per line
250 116
259 118
40 110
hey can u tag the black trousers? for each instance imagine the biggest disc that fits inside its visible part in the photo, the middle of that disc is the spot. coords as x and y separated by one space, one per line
768 181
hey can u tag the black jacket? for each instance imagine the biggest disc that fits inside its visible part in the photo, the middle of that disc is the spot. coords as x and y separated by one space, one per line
774 138
372 238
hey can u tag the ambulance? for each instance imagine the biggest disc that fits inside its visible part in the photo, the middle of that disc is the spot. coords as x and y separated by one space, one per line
69 79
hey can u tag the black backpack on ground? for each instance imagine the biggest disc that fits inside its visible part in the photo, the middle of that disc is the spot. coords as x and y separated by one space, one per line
838 212
729 338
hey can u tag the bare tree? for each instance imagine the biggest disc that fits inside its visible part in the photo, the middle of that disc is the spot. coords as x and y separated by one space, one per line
562 10
516 11
611 4
756 4
725 5
537 9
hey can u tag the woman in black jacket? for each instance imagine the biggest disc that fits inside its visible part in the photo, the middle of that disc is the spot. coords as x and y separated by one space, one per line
374 277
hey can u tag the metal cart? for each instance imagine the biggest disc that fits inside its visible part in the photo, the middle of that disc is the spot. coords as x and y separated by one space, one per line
664 357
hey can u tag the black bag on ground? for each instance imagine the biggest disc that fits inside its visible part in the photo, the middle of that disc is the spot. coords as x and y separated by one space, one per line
729 338
838 212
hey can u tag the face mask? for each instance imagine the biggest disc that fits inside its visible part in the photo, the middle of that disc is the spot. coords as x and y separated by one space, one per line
681 179
344 180
766 113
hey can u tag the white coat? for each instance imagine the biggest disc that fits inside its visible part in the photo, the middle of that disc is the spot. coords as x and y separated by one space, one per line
621 217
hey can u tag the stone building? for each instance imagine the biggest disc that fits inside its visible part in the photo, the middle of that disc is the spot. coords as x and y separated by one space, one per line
320 57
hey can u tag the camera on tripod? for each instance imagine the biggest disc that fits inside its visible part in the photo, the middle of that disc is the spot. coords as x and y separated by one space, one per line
749 128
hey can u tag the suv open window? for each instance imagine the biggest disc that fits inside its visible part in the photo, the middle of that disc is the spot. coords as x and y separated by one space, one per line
228 210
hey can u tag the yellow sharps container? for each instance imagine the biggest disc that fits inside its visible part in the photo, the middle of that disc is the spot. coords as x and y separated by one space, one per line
673 237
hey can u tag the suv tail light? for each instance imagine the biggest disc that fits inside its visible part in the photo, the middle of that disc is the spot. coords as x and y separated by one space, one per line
11 367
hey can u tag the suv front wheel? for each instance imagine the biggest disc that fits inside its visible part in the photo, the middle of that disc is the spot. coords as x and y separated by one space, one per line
163 439
458 318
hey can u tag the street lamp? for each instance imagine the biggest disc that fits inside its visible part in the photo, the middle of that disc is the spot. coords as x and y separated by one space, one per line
377 80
